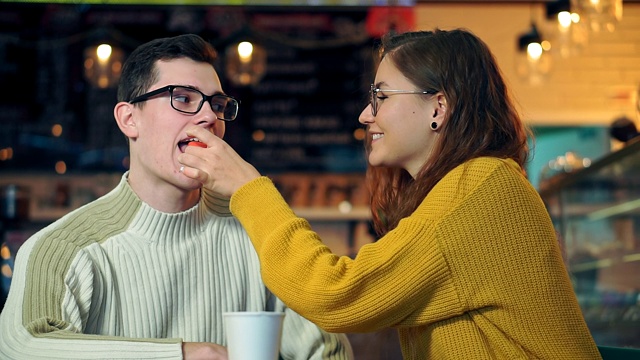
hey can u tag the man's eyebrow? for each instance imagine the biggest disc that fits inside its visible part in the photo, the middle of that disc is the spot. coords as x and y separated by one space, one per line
216 92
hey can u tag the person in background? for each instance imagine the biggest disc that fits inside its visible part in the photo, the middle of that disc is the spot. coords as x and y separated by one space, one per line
147 271
467 265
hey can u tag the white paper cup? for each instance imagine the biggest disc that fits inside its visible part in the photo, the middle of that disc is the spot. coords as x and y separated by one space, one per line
253 335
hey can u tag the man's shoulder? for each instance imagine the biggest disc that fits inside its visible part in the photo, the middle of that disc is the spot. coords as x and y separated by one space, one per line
92 222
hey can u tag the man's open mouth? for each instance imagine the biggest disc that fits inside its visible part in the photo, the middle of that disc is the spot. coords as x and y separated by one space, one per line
182 144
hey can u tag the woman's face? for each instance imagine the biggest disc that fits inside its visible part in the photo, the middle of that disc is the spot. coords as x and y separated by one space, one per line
401 130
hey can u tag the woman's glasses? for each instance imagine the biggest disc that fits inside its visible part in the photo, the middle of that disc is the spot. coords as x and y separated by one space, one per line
373 95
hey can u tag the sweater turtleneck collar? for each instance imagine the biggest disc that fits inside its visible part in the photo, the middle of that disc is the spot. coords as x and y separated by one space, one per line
155 225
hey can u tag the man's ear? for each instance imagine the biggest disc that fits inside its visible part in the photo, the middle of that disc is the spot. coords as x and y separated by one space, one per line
123 113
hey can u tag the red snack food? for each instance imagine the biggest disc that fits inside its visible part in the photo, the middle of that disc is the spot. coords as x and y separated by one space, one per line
197 143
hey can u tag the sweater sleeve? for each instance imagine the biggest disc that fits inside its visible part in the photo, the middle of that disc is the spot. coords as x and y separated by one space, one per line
47 307
373 291
303 340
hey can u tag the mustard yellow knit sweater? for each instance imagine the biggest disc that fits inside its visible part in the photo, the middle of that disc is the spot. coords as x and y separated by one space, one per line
474 273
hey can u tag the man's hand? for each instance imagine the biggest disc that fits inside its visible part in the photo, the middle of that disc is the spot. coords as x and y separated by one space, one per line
218 167
203 351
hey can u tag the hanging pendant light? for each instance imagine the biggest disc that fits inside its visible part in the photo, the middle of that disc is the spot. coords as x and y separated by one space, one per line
567 32
533 63
246 63
600 15
103 65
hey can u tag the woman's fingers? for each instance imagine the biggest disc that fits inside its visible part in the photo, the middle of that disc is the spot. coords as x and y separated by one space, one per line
218 166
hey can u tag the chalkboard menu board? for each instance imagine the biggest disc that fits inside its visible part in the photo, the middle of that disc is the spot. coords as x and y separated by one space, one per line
303 114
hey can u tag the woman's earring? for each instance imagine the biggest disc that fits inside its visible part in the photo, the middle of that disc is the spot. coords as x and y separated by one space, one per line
434 126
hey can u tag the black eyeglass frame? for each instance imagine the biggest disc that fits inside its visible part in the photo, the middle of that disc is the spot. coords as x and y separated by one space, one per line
207 98
373 95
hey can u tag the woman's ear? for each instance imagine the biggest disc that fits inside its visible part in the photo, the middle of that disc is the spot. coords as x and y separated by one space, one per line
438 113
442 104
123 113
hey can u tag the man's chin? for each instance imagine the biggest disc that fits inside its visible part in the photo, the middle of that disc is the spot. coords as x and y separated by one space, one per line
193 185
188 183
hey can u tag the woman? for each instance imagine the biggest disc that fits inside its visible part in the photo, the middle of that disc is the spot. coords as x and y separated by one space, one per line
467 266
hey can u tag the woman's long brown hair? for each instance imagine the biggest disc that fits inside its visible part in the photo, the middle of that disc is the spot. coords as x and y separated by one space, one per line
481 119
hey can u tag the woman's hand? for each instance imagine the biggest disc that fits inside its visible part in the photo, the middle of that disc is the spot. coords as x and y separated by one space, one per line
218 167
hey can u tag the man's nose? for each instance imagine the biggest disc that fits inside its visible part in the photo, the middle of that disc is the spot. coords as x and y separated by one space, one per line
205 116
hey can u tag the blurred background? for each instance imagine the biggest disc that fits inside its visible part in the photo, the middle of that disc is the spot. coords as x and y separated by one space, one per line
302 70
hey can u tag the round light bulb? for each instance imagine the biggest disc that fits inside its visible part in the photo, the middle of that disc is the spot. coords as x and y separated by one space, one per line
575 18
564 19
245 49
534 50
104 52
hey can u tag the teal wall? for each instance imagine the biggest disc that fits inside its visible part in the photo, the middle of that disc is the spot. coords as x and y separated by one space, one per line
550 142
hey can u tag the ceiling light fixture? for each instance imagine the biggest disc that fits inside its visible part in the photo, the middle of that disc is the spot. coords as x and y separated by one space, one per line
600 15
533 63
567 32
246 63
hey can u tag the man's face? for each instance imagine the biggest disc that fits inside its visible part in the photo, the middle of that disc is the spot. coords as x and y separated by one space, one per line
161 130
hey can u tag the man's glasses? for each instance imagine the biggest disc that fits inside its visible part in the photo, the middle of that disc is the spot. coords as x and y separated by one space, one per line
373 95
189 101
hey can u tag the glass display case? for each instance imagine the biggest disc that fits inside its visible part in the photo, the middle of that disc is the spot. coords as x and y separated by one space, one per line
596 212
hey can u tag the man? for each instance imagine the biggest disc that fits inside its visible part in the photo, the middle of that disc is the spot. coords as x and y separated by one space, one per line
147 270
